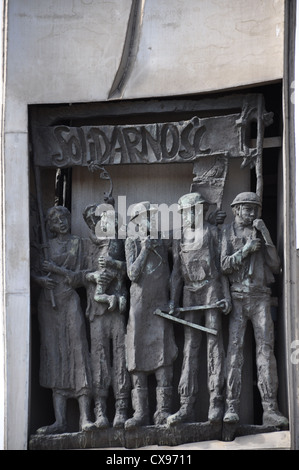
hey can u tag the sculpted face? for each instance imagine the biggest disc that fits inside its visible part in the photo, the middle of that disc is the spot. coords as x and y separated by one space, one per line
59 222
248 213
107 223
192 216
145 223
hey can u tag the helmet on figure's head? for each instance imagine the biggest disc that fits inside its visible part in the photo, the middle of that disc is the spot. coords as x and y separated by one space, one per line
190 200
142 208
247 198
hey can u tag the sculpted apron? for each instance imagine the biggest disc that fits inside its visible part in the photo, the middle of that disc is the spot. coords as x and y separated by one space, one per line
150 339
199 261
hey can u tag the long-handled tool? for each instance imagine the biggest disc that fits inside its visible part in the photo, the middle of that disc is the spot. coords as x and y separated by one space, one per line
195 308
42 224
184 322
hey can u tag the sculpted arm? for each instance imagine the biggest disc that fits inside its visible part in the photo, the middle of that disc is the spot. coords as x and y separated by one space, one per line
74 278
272 258
225 304
38 275
46 282
176 279
135 264
231 261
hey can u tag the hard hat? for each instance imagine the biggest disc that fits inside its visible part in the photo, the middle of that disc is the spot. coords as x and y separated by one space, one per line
246 198
190 200
141 208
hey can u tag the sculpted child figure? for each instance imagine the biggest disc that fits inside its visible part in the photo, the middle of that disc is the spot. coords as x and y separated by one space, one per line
102 284
109 269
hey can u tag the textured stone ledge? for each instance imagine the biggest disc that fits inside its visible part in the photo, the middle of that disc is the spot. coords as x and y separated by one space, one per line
144 436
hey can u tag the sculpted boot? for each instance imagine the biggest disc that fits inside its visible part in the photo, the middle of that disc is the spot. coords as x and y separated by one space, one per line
185 413
84 406
140 407
60 425
232 411
216 408
164 399
121 407
272 416
101 421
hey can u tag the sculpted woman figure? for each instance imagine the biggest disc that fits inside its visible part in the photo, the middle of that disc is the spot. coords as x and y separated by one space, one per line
64 355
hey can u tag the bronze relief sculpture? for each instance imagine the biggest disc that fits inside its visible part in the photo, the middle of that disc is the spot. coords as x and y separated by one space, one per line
157 305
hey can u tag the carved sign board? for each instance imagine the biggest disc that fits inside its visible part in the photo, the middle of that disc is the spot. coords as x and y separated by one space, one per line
168 142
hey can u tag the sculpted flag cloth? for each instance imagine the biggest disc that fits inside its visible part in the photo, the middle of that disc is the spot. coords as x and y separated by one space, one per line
210 178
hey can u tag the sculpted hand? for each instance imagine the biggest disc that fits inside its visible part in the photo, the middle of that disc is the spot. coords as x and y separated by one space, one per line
220 217
171 307
89 277
217 217
224 305
259 224
251 246
106 277
49 266
47 282
255 244
103 262
146 243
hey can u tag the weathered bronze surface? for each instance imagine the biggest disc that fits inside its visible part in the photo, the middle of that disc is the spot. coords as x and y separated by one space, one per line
196 272
249 259
144 293
150 343
105 280
64 354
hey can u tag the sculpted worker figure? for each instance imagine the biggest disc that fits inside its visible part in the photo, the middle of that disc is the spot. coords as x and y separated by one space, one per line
151 348
196 274
249 259
105 281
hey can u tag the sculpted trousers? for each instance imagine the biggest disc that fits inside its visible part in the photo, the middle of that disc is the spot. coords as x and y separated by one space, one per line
108 357
188 385
256 309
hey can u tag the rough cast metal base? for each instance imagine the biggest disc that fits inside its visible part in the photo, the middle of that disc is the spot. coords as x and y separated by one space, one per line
145 436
